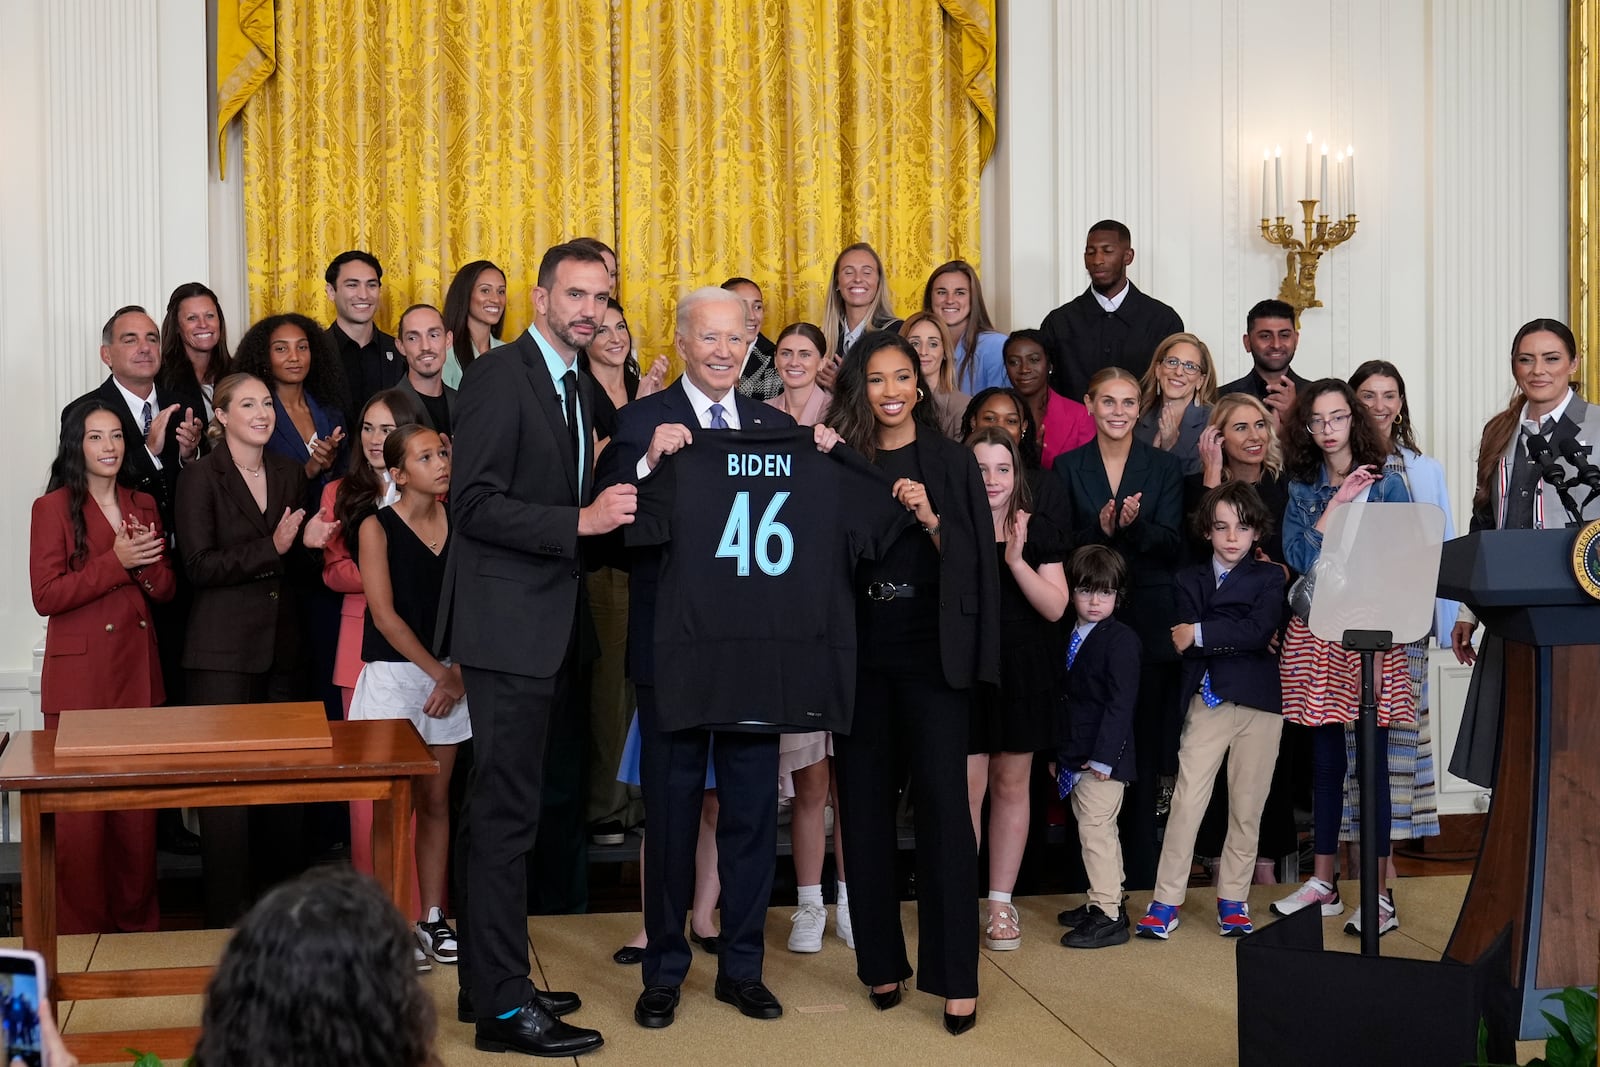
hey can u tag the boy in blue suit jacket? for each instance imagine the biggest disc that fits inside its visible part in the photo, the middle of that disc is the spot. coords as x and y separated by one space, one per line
1096 755
1233 605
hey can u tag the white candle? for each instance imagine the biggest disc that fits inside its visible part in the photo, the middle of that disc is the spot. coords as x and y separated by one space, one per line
1338 185
1323 196
1266 159
1308 165
1277 167
1350 178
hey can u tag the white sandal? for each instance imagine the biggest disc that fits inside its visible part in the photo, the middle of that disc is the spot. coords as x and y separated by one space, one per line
1003 921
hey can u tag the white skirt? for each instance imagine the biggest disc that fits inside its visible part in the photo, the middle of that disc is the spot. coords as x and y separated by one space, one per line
398 691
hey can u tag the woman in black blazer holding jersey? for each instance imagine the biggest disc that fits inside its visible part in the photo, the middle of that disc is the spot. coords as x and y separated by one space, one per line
1129 495
928 630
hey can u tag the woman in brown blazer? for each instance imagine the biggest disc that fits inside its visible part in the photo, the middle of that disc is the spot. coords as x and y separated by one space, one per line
240 524
96 562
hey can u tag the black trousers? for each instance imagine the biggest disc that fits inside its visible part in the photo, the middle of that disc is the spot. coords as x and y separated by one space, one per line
1154 716
559 862
672 774
245 851
907 718
500 820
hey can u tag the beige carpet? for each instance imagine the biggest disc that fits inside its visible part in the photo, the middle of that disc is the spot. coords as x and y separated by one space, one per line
1144 1004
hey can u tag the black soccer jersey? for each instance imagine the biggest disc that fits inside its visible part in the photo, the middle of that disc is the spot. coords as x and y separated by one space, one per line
755 623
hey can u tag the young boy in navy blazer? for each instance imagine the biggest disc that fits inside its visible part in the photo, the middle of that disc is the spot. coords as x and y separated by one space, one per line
1095 762
1232 605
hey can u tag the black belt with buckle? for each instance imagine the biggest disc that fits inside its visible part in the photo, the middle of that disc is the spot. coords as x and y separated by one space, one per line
884 591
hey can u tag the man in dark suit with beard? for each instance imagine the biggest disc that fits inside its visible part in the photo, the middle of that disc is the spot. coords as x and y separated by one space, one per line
511 609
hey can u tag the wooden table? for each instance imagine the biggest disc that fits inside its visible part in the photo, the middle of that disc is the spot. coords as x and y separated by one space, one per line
370 760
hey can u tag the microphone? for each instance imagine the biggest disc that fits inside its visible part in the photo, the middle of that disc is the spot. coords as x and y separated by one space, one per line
1540 451
1575 453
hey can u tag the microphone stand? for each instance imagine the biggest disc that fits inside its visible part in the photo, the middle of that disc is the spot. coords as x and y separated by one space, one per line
1539 449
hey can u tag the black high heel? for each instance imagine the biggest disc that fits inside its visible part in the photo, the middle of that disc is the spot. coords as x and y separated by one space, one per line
885 1001
960 1024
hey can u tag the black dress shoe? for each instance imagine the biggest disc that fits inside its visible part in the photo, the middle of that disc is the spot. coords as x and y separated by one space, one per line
535 1032
748 995
552 1001
656 1007
628 956
711 944
885 1001
1073 917
960 1024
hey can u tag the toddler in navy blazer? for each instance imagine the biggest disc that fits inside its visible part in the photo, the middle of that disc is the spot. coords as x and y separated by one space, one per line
1232 605
1095 761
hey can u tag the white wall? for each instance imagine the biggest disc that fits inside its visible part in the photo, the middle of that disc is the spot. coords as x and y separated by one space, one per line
1156 111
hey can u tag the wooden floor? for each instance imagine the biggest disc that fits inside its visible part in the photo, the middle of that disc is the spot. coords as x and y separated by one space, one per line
1144 1004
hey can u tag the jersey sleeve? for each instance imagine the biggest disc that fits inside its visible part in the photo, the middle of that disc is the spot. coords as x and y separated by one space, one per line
652 520
874 518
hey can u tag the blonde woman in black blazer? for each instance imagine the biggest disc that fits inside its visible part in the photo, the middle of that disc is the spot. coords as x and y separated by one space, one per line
928 630
1129 495
245 537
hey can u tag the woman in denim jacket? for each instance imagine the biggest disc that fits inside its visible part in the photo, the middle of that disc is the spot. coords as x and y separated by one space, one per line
1334 456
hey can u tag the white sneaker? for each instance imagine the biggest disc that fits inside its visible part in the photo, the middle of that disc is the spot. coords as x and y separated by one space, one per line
841 924
1388 918
1315 891
809 922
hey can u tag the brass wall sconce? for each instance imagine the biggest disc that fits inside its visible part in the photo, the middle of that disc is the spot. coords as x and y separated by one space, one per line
1321 233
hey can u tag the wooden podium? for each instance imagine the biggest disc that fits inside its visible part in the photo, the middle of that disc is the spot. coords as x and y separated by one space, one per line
1538 871
372 760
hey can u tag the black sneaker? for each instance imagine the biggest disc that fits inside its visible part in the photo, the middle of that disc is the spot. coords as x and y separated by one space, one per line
1074 917
1099 930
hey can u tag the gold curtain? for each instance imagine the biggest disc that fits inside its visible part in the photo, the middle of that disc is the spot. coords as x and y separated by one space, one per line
761 142
430 134
246 58
753 137
1583 154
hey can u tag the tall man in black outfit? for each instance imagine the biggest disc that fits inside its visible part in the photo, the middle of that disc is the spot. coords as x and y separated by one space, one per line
1271 337
712 341
367 354
1111 323
512 606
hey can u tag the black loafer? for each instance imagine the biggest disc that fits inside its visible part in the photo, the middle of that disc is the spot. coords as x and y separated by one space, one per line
710 944
885 1001
753 999
535 1032
960 1024
628 956
656 1007
556 1003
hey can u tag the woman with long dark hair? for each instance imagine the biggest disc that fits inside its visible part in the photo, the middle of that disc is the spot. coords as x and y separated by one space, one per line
474 313
1510 494
928 620
97 561
194 348
294 357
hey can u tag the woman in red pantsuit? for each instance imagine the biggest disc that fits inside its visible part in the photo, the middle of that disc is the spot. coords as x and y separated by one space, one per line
97 559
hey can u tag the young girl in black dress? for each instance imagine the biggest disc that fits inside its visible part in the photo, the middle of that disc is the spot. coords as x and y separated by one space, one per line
1016 719
403 551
